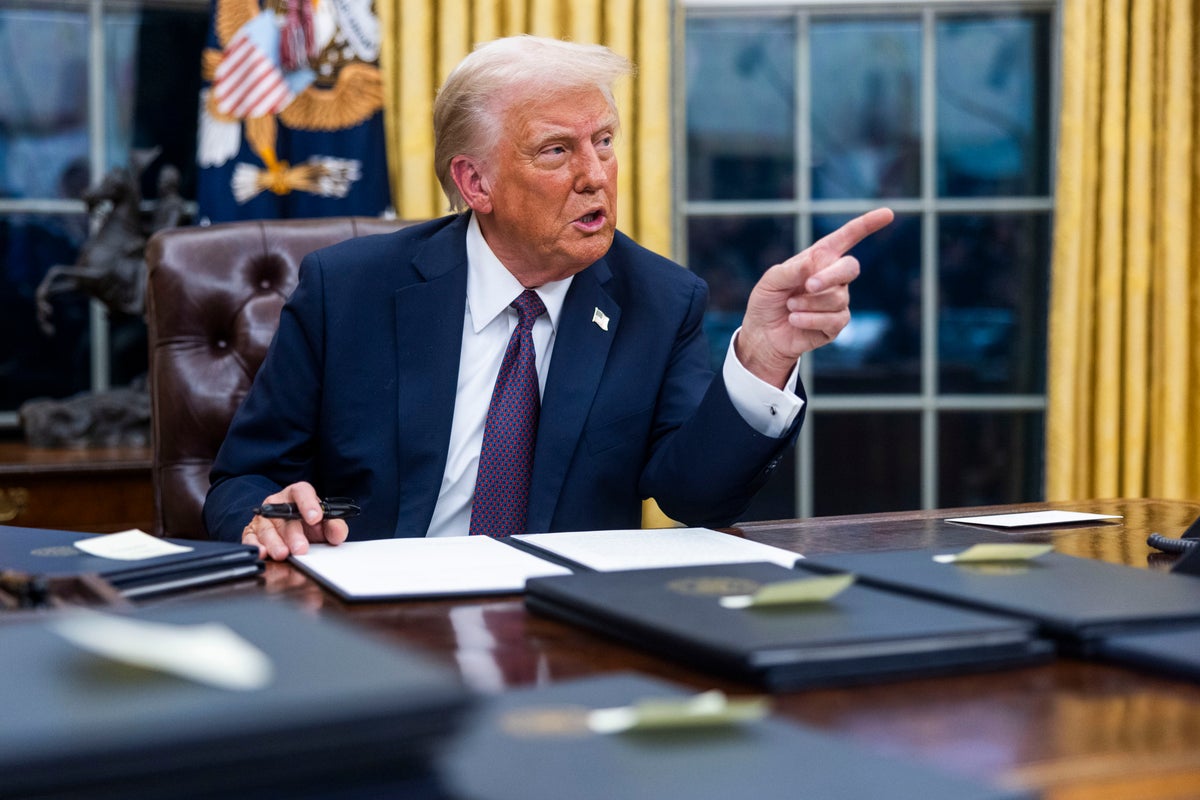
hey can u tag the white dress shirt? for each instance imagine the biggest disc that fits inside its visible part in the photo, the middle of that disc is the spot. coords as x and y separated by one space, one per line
488 323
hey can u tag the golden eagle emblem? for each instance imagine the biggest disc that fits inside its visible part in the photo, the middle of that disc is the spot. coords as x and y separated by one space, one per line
312 65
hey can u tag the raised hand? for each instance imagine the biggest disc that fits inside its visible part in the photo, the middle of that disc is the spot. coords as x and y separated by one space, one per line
803 303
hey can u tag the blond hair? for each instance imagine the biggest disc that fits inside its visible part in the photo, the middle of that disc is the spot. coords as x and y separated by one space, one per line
469 109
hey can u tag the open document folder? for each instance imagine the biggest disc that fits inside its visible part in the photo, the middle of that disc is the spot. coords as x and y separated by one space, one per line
383 569
387 569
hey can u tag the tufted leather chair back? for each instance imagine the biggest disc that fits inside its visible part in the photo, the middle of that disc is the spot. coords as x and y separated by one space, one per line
212 306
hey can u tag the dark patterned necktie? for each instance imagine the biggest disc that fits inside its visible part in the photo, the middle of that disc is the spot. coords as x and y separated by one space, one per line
506 460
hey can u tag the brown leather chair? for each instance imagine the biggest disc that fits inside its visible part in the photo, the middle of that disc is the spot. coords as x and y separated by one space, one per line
212 305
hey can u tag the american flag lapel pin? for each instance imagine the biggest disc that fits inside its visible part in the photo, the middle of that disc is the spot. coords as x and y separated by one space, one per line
601 319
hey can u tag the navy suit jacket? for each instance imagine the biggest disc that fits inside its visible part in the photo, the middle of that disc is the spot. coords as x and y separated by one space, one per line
357 390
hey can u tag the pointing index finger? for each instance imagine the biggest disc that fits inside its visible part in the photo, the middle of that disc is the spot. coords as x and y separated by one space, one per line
854 231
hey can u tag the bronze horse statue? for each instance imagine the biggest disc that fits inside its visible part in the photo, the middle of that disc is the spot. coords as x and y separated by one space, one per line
111 266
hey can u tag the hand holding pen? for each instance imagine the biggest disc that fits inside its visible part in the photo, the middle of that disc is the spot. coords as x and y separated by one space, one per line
287 521
334 508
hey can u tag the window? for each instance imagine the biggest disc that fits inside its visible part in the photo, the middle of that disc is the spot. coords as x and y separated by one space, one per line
798 116
88 83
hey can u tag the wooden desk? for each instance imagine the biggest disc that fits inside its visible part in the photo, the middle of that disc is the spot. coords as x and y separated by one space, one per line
1070 729
96 490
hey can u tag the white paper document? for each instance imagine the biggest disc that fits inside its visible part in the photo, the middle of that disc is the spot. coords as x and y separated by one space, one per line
606 551
131 545
443 567
1032 518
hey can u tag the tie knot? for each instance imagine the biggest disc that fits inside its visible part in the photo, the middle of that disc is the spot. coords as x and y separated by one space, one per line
529 307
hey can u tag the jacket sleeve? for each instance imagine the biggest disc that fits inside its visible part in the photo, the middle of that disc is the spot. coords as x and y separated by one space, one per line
707 462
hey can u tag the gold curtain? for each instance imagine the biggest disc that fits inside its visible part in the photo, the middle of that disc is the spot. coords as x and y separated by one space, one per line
424 39
1124 363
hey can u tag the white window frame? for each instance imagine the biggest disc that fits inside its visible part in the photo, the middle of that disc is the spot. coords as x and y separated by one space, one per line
928 402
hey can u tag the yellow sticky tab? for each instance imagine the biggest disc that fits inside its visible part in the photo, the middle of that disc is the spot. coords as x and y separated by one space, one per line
995 551
710 709
209 653
802 590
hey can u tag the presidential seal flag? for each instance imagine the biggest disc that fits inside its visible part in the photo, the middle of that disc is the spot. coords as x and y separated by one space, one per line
249 81
290 111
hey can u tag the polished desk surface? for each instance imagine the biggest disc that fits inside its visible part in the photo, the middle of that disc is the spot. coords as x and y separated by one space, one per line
1069 729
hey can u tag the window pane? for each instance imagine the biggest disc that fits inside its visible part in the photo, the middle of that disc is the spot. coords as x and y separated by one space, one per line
993 79
988 458
166 92
151 67
731 253
43 104
32 363
741 115
880 350
865 462
993 290
866 108
120 64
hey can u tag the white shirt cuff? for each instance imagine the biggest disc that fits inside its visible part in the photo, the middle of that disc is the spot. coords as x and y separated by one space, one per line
768 410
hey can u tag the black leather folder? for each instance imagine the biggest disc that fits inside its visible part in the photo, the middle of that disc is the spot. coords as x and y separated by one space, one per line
1175 652
1076 600
1188 563
533 744
51 553
861 634
343 709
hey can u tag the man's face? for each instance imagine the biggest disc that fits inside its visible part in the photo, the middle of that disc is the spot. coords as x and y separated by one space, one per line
552 186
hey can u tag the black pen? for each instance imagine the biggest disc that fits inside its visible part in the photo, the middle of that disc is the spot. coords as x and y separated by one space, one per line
334 508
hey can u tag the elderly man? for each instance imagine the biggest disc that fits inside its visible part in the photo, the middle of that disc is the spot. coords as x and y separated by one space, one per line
520 365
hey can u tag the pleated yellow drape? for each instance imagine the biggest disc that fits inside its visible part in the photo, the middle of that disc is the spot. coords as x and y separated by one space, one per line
424 39
1124 363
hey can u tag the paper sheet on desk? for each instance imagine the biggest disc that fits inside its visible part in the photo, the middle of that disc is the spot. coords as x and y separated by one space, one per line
611 550
1028 519
395 568
131 545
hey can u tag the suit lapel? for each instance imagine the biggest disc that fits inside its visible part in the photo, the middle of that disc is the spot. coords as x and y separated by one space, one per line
429 320
581 348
